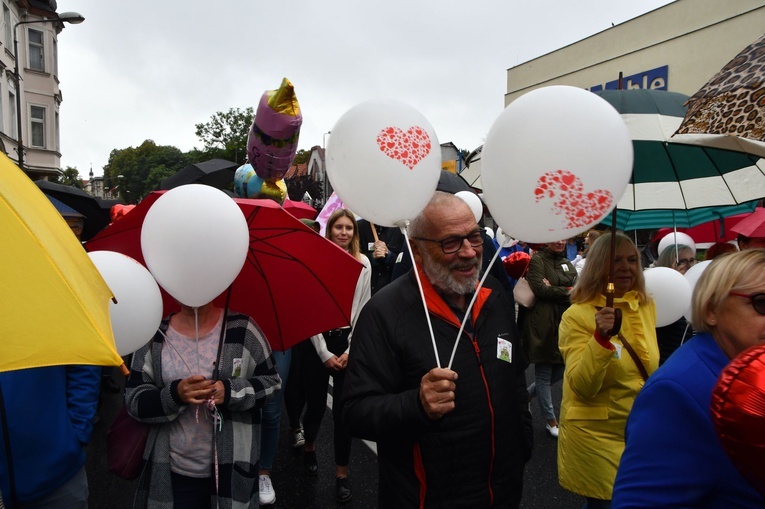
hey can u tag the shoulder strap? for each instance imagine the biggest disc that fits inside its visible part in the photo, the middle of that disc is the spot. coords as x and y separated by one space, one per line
633 354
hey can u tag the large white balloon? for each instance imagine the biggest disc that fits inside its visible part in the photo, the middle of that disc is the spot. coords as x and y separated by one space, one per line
679 238
555 162
384 160
194 240
692 275
671 292
138 311
473 201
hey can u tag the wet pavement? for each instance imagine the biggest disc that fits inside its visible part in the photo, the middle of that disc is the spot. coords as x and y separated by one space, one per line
296 489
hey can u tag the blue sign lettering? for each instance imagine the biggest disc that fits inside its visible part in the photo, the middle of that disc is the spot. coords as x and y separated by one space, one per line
655 79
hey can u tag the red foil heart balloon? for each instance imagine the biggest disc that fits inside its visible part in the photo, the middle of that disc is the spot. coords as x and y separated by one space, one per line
516 264
738 412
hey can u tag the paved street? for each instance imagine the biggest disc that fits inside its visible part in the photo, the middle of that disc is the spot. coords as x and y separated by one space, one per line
295 489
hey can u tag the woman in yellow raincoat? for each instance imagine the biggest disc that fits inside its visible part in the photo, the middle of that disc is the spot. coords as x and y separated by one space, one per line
602 378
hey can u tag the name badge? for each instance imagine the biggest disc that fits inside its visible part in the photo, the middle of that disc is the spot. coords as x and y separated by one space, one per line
371 246
617 350
504 350
564 266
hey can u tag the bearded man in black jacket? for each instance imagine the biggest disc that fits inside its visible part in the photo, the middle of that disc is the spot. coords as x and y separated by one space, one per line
454 436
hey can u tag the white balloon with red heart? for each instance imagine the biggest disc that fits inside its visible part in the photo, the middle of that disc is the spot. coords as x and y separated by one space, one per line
555 162
383 161
137 312
670 291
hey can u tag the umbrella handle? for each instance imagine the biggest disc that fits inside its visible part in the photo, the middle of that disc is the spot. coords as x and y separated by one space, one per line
617 312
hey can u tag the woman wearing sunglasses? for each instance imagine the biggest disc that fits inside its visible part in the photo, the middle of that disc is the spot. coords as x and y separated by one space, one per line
673 457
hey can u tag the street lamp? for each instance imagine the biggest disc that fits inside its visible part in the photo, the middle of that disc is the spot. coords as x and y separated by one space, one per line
325 184
65 17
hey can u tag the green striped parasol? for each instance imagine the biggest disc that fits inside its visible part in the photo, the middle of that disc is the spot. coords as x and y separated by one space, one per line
676 184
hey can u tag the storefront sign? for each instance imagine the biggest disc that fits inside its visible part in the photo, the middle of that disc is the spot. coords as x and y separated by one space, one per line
655 79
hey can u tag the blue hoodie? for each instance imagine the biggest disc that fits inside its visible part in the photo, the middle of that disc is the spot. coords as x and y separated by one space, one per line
49 415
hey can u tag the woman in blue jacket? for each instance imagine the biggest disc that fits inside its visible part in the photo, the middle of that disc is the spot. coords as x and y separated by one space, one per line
673 457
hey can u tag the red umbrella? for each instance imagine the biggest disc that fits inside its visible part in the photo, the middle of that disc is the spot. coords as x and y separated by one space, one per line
710 232
294 283
299 209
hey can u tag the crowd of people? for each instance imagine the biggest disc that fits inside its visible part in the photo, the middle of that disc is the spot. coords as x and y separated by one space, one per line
432 368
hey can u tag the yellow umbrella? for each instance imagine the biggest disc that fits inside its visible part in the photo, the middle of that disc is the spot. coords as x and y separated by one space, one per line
54 304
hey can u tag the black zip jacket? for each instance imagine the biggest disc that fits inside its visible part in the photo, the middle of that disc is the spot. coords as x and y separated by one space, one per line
472 457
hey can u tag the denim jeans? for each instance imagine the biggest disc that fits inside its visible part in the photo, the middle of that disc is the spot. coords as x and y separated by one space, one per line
73 494
546 375
272 413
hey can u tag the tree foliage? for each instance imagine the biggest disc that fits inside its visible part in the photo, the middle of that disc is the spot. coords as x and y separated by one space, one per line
302 156
132 173
69 177
225 134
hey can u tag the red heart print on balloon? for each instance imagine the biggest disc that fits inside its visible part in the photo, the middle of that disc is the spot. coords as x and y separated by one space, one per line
409 147
579 208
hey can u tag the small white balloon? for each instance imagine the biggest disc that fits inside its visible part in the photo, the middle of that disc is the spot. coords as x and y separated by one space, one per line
384 161
195 241
503 240
137 313
670 291
692 275
473 201
555 162
676 238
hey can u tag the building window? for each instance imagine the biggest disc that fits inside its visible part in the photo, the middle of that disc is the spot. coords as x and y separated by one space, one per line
58 132
2 117
37 120
55 57
8 26
36 53
13 117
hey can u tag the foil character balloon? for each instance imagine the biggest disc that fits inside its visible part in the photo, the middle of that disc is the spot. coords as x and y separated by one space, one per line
738 412
248 184
273 138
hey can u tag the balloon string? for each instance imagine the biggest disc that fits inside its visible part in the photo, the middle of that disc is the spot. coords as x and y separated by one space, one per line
684 333
196 331
470 307
405 231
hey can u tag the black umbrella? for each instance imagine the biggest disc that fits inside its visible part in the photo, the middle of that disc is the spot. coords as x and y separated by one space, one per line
218 173
96 219
449 182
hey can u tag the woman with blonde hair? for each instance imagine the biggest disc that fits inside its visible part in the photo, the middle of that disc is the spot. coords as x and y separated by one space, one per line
330 357
673 457
604 370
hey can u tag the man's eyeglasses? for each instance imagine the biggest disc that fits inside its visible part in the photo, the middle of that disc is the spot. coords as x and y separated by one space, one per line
451 245
757 300
686 261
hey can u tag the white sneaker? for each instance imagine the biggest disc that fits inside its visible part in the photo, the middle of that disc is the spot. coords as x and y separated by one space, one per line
267 493
552 430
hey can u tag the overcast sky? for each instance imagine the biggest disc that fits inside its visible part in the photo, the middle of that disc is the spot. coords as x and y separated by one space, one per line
146 69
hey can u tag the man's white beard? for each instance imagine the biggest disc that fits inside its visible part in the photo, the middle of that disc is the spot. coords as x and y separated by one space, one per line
441 276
